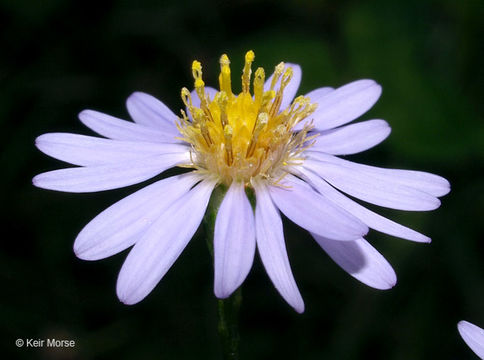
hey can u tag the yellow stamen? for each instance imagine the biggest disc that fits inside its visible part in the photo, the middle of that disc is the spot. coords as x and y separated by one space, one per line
249 58
259 85
224 77
228 144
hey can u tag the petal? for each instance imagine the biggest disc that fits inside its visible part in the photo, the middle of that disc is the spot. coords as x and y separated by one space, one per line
373 189
272 248
122 224
429 183
234 241
473 337
291 88
345 104
313 212
160 246
106 177
373 220
316 95
352 139
151 112
88 150
118 129
361 260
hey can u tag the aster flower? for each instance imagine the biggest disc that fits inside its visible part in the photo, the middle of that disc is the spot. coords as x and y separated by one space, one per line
473 336
280 148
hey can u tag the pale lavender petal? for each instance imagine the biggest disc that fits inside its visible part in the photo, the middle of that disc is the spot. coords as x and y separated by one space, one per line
345 104
106 177
373 189
162 244
123 223
373 220
149 111
352 139
87 150
234 241
272 248
291 88
114 128
313 212
473 337
430 183
361 260
316 95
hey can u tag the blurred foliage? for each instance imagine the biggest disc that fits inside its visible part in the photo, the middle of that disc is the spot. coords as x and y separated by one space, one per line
59 57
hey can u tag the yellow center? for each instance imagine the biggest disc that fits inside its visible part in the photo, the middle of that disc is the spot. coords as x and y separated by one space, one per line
240 137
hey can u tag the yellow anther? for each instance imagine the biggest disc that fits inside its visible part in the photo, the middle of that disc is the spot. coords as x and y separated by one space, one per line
222 100
196 69
260 124
261 121
205 133
277 74
286 78
186 97
198 115
267 98
228 132
259 78
224 77
249 58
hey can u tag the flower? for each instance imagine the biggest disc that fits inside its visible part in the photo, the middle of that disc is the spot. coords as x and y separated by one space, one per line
473 336
281 148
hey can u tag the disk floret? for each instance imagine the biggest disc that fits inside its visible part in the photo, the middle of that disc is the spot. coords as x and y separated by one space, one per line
240 137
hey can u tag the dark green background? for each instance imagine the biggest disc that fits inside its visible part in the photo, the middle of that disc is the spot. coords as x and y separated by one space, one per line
59 57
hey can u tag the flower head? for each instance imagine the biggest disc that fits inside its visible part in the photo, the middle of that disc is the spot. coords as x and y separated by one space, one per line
473 336
281 147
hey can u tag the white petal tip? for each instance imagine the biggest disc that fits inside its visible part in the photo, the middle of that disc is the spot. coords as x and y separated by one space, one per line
38 182
384 284
84 114
473 336
222 294
84 254
127 301
299 308
128 297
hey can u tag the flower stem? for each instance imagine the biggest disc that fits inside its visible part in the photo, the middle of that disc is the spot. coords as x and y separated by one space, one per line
228 325
228 309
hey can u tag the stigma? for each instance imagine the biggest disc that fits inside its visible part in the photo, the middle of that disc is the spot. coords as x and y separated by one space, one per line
245 136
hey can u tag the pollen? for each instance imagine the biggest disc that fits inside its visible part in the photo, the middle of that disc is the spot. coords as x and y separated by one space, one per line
241 137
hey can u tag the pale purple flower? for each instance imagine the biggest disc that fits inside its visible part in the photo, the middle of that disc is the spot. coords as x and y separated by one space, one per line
280 147
473 336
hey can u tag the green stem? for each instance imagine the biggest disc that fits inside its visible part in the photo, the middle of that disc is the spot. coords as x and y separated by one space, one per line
228 309
228 325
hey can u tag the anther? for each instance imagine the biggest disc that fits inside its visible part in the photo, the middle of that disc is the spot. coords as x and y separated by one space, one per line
224 77
277 74
228 132
205 134
222 99
259 78
249 58
260 123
